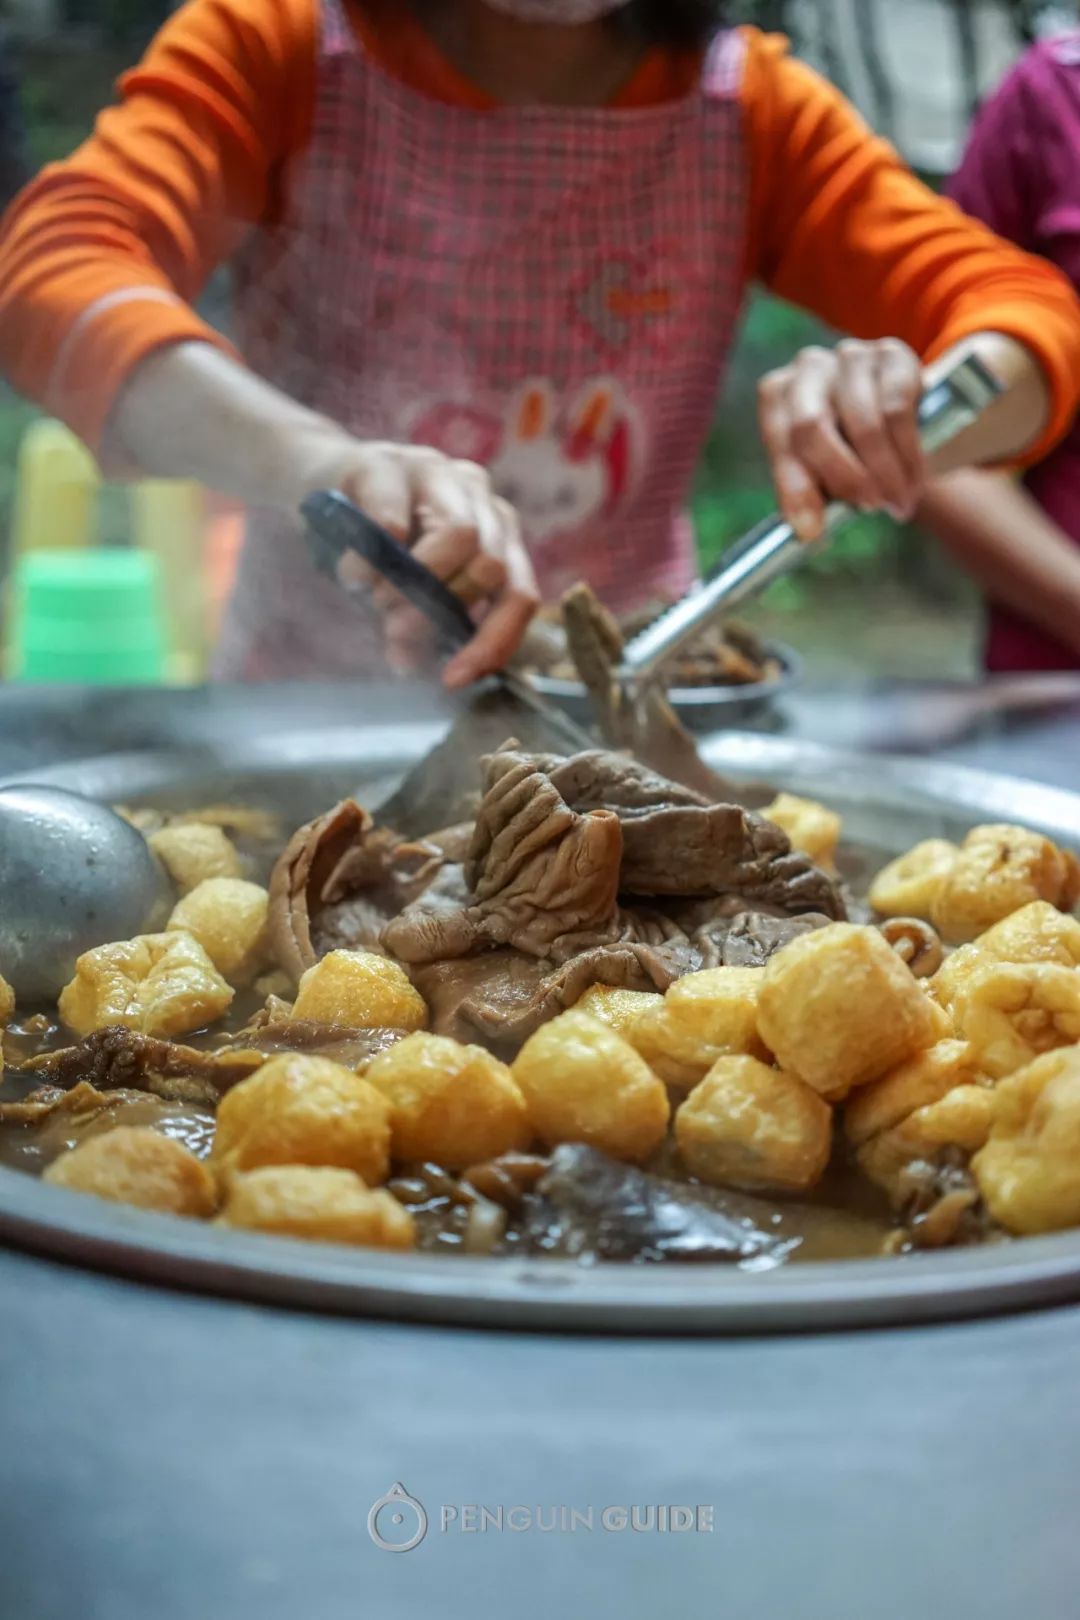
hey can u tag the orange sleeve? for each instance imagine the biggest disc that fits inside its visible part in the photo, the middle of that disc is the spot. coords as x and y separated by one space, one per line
101 256
840 226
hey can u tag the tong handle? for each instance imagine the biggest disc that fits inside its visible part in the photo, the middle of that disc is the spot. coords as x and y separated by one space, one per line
337 526
773 548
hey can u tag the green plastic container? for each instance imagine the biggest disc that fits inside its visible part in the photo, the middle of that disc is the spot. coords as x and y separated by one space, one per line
88 618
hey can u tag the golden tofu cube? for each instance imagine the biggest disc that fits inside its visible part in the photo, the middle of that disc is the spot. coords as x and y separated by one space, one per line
999 870
136 1165
908 886
811 827
228 918
702 1017
191 853
750 1126
7 1001
584 1083
1012 1012
299 1109
320 1205
159 984
360 990
1036 933
924 1079
1029 1171
451 1105
618 1009
839 1009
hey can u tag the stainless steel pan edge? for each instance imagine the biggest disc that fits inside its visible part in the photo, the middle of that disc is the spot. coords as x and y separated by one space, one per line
886 801
548 1296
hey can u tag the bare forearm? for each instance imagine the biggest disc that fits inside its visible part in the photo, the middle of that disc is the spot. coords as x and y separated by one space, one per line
192 412
1014 422
1005 540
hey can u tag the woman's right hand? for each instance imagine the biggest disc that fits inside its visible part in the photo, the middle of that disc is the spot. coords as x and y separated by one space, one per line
452 519
190 411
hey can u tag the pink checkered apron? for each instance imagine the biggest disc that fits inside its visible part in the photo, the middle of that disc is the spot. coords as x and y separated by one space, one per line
551 292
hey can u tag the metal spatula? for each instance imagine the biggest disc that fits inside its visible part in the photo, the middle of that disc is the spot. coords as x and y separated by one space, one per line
439 790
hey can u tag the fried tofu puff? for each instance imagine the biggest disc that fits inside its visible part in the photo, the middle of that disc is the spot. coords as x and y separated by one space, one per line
1011 1013
158 984
299 1109
909 886
701 1018
191 853
1035 933
937 1099
839 1009
135 1165
1029 1171
584 1083
450 1104
7 1001
320 1205
812 828
920 1082
963 1118
618 1009
747 1125
361 990
228 918
1001 869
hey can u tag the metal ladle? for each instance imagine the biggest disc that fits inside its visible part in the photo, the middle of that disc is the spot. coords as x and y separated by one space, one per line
73 875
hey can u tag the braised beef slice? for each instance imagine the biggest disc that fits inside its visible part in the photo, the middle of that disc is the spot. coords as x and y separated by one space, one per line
116 1058
352 1048
54 1120
502 997
737 938
677 842
556 841
538 874
338 881
589 1203
649 728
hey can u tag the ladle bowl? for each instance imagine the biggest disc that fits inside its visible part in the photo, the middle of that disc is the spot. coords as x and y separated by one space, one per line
73 875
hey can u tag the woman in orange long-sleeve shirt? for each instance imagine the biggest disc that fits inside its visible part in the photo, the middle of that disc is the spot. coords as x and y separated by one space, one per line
490 257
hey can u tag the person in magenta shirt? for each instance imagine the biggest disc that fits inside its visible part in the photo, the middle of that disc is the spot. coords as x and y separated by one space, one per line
1020 175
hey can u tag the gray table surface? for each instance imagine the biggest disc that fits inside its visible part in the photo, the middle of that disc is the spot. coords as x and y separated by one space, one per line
169 1456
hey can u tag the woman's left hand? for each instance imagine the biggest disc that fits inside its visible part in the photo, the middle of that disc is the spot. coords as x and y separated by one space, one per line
842 425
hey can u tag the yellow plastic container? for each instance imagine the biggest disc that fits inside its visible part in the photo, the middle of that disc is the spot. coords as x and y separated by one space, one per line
169 520
56 491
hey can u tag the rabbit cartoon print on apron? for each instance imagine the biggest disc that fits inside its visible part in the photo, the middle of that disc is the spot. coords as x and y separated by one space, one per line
561 465
550 292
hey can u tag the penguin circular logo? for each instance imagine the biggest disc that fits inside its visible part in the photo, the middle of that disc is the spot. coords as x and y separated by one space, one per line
397 1522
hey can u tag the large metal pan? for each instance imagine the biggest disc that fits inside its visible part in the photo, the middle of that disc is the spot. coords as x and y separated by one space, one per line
887 804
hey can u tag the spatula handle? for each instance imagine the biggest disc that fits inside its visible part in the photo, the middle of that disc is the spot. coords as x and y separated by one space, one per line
337 527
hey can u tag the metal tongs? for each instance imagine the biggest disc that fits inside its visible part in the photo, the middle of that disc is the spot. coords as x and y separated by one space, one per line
336 526
773 548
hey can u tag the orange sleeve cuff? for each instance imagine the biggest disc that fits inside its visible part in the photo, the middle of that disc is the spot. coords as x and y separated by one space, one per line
104 345
839 225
